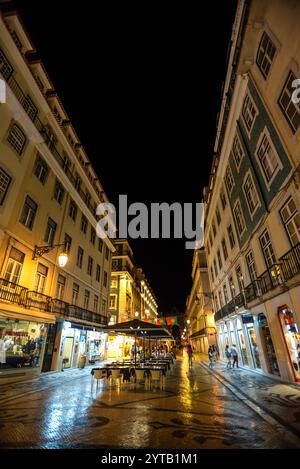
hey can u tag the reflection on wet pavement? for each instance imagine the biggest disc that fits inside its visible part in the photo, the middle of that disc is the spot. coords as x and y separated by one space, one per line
194 411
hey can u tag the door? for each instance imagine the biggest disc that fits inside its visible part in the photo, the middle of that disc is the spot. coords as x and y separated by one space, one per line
49 348
68 352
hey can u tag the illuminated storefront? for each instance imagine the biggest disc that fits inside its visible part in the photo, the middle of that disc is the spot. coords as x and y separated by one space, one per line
119 346
21 343
267 343
290 331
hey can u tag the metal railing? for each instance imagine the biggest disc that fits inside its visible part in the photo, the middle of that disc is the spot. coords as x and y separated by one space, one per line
12 292
290 262
38 300
59 306
74 311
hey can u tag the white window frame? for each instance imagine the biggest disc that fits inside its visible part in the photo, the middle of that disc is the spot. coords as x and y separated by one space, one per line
267 245
296 106
251 265
290 219
238 204
252 212
228 172
5 181
237 150
251 100
16 138
266 57
266 134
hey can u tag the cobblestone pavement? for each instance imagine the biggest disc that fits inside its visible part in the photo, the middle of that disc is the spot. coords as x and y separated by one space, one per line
196 410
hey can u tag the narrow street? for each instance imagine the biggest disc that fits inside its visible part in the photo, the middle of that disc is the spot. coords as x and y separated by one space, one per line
198 409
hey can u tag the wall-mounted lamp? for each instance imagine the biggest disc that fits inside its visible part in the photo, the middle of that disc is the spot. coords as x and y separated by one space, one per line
63 257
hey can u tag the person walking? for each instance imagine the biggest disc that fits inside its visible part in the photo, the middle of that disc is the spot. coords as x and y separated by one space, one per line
189 351
228 356
210 356
215 353
235 357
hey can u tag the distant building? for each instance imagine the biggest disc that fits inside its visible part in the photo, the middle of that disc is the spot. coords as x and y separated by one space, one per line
130 293
199 323
252 230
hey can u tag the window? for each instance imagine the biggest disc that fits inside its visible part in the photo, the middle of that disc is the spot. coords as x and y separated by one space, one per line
291 219
290 110
100 245
219 259
214 229
59 192
239 219
103 310
28 212
112 302
73 210
248 112
105 279
86 300
40 278
267 249
220 299
225 292
29 107
84 224
251 265
265 54
240 278
96 303
5 181
250 194
79 257
41 169
231 236
75 294
60 289
215 267
14 266
50 231
98 273
224 249
16 138
87 197
114 283
93 236
232 287
90 265
217 307
237 151
68 242
229 179
223 199
106 253
66 163
268 158
218 216
77 183
6 69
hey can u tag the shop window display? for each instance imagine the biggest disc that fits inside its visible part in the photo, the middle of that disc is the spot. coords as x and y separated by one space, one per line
240 334
21 343
290 330
269 346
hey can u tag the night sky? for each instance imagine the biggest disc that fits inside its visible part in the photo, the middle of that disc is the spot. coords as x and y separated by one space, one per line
142 87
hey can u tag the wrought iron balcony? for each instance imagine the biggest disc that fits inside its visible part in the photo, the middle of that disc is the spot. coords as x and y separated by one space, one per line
12 292
59 306
38 300
74 311
290 262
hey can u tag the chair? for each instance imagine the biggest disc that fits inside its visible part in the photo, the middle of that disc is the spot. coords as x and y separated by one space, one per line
157 376
141 377
115 375
99 374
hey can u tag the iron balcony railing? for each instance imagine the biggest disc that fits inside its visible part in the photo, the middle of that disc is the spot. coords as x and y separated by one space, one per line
59 307
290 262
12 292
39 301
267 281
74 311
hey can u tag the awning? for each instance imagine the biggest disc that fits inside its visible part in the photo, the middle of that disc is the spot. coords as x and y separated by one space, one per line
24 314
140 329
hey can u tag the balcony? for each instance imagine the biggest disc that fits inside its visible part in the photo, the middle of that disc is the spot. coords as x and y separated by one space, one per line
12 292
36 300
74 311
290 262
276 275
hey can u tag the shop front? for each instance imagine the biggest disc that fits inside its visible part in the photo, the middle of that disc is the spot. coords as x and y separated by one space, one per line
241 342
119 347
267 345
290 331
248 322
21 344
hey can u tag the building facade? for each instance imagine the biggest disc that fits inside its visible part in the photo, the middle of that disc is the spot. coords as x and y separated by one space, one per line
130 292
49 192
199 315
252 227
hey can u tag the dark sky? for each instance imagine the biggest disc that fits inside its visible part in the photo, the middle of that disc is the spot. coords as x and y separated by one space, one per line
142 86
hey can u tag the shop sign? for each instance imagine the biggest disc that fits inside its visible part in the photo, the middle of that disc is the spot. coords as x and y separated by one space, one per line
247 319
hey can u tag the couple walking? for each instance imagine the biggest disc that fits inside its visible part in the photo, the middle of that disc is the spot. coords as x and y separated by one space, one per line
231 353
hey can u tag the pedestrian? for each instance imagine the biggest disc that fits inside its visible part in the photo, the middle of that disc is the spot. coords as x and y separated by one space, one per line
228 356
215 353
210 356
235 357
189 352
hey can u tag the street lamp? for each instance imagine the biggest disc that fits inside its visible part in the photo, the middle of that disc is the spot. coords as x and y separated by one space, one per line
63 257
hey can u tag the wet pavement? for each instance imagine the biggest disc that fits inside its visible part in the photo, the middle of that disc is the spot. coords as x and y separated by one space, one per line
197 409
